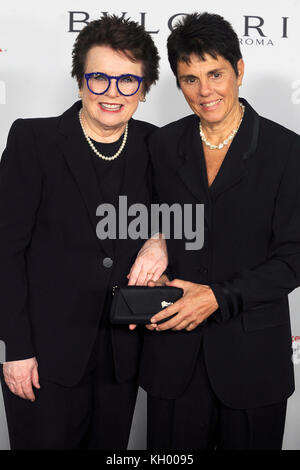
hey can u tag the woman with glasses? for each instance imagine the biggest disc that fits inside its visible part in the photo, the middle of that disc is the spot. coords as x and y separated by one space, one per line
56 273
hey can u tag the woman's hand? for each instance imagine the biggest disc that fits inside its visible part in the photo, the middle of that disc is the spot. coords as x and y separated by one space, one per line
20 376
162 281
150 263
197 304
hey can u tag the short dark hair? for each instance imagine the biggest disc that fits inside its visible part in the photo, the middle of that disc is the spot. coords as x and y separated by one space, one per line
121 35
200 34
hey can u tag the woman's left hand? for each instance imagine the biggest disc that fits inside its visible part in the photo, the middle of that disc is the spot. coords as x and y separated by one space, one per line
197 304
150 263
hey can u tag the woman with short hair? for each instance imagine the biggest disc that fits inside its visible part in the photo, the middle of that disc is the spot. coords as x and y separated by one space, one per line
56 276
218 372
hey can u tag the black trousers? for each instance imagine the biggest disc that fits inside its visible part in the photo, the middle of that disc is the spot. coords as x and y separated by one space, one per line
95 414
199 421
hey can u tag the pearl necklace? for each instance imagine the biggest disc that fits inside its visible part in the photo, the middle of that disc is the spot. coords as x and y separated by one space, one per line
227 140
113 157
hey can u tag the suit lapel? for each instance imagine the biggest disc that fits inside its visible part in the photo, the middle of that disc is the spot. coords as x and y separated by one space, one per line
136 163
189 164
136 166
233 167
75 150
192 169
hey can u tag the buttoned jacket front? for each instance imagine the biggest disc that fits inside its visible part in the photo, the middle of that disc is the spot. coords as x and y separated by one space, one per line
250 258
56 275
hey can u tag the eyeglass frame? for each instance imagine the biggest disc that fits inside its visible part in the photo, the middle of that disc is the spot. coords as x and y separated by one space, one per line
87 76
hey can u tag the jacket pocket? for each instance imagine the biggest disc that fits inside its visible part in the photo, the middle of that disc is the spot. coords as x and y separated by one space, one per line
266 316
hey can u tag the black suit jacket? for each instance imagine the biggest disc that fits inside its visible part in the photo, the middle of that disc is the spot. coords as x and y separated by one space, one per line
53 283
250 258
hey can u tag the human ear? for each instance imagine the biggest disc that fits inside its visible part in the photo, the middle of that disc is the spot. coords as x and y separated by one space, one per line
241 70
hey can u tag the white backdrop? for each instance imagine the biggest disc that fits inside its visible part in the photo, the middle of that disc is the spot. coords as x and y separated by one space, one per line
36 39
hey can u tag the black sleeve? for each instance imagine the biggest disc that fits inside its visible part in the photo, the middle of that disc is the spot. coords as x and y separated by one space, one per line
155 199
280 273
152 229
20 190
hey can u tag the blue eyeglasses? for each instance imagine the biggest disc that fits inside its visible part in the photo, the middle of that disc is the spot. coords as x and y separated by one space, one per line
98 83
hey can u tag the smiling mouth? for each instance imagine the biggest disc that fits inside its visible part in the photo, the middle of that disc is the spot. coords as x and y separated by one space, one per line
211 104
111 107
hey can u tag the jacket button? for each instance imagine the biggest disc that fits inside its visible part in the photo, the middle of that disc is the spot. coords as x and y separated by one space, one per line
107 262
203 269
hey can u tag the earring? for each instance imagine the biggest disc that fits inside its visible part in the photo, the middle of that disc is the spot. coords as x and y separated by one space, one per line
143 100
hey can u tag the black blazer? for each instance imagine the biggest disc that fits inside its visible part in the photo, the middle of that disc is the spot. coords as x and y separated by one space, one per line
250 258
53 283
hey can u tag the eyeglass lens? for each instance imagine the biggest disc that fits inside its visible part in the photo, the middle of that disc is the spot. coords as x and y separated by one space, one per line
127 84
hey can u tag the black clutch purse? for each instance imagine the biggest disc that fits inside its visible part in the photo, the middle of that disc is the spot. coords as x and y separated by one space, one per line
137 304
